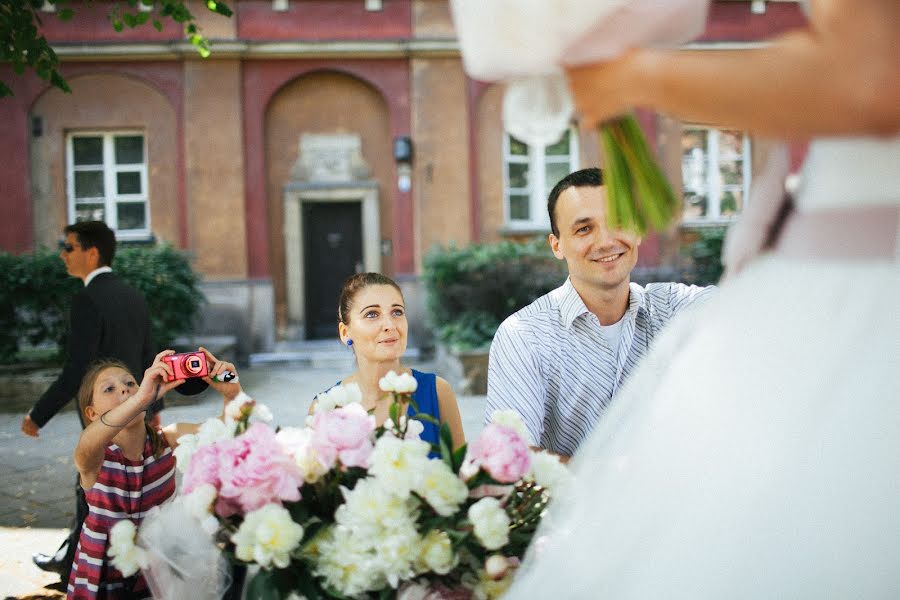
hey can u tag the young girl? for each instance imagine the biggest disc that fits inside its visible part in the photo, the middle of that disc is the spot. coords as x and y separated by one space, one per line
125 467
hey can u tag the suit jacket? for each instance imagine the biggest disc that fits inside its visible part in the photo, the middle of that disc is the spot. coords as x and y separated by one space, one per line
108 319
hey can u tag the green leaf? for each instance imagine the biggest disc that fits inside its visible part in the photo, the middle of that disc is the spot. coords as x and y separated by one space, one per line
157 25
65 14
394 413
262 587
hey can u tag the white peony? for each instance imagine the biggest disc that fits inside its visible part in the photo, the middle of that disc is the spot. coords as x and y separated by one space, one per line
210 432
126 556
414 428
267 536
297 443
548 472
400 384
436 553
491 523
199 502
236 409
441 488
513 420
346 563
372 508
337 397
399 464
395 554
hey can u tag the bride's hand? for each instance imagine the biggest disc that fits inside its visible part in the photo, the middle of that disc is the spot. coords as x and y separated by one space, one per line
604 90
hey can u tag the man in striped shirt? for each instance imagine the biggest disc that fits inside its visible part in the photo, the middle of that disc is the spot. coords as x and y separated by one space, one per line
559 361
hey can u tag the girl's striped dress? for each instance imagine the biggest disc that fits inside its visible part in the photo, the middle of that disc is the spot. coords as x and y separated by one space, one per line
125 489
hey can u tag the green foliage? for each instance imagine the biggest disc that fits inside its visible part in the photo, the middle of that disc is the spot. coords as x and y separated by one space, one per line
472 290
24 47
705 257
36 292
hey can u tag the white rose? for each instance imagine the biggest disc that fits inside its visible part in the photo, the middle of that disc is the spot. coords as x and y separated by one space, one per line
548 471
261 414
513 420
337 397
126 556
436 553
267 536
496 566
398 464
414 428
491 523
406 384
441 488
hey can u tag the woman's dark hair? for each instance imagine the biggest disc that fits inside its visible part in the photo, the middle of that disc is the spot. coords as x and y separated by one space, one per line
356 283
86 398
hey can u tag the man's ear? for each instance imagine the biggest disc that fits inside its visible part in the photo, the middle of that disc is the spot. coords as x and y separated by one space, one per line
554 245
94 257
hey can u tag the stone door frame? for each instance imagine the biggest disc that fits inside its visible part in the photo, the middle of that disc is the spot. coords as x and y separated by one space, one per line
295 194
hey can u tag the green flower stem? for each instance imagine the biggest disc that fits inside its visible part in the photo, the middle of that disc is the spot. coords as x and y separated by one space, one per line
639 195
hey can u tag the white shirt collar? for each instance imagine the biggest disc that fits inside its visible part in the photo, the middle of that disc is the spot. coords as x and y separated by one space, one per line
94 273
571 306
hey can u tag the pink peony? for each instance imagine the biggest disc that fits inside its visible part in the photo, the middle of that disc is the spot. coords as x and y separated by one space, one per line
344 434
500 451
255 471
202 469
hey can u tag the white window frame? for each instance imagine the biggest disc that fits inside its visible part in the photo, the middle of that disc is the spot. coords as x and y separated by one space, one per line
536 161
714 186
110 199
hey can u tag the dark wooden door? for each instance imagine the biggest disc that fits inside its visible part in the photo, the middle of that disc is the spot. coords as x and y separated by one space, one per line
333 251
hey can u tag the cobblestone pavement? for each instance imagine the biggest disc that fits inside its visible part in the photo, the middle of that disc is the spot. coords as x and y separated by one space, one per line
37 477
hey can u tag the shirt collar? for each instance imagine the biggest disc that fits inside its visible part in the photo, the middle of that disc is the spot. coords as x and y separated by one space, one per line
94 273
571 306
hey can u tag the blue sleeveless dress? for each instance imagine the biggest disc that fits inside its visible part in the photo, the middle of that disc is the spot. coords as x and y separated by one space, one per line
427 399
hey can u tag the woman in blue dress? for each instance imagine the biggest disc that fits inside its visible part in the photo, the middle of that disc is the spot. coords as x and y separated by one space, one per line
372 321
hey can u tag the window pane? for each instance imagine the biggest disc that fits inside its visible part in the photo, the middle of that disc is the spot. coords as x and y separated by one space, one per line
517 147
89 212
518 175
732 203
129 149
132 215
87 150
693 160
555 172
732 172
128 182
88 184
731 143
560 148
694 206
518 207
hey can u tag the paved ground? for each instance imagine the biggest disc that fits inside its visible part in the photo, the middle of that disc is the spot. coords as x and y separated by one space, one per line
36 493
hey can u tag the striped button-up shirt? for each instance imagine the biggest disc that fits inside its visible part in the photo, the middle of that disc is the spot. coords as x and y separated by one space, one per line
551 364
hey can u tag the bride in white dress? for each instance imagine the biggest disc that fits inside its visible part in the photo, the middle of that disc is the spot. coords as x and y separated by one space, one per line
756 452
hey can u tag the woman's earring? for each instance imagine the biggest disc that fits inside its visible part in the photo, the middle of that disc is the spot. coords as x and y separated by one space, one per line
349 342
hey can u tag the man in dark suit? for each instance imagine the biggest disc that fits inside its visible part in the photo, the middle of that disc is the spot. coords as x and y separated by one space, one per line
108 319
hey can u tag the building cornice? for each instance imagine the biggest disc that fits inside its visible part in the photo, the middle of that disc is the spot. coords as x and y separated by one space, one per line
228 49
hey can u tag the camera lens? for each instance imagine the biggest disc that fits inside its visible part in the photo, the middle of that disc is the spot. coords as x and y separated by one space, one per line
193 365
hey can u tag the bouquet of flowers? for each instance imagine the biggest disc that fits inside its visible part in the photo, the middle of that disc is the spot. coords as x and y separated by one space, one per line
525 43
344 509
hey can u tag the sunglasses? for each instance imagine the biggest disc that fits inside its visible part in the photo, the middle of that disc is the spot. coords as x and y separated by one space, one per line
67 248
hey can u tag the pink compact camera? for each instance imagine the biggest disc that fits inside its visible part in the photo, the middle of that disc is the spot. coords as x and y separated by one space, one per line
187 365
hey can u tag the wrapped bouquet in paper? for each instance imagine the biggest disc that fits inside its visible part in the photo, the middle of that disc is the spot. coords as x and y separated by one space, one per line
342 508
525 43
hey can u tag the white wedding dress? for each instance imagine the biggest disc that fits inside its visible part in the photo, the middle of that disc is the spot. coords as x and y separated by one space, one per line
756 451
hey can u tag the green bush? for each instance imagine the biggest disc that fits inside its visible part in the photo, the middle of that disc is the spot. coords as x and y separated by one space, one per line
35 294
472 290
705 257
